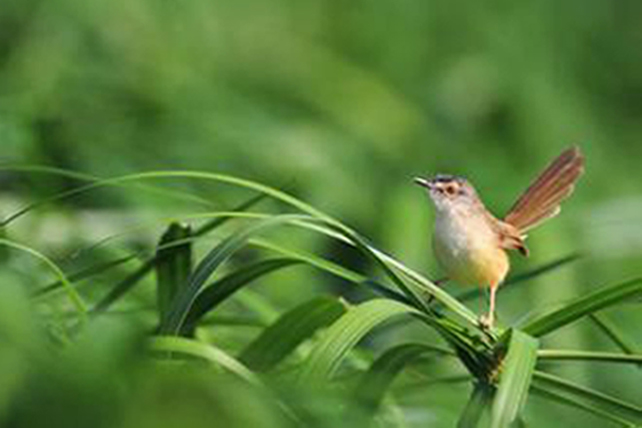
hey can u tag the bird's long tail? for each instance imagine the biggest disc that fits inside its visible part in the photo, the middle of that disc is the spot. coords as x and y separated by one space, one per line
541 200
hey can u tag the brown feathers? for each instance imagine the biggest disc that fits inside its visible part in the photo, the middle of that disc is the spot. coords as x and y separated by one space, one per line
541 200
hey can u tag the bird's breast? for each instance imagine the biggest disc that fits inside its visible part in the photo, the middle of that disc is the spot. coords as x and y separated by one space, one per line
468 249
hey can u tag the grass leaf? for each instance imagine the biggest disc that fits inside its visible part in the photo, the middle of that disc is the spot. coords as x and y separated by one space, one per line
376 381
344 334
214 294
516 373
173 265
184 301
583 306
295 326
555 354
556 384
480 398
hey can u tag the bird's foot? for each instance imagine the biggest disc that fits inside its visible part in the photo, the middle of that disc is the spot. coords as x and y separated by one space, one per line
486 322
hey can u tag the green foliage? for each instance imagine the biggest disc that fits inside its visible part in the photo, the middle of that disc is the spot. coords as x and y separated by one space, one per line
305 361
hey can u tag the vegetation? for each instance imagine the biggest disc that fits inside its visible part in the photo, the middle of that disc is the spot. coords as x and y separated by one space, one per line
208 217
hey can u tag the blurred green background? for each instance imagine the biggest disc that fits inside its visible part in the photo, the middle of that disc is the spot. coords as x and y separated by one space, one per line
340 103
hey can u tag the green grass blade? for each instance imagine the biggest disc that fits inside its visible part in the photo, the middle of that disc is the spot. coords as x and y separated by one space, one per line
377 380
612 332
555 354
555 384
181 345
82 274
515 380
173 265
583 306
213 295
480 399
207 266
220 221
344 334
75 298
295 326
124 286
567 401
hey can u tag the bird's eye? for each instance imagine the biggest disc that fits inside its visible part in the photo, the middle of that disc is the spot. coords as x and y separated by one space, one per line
450 189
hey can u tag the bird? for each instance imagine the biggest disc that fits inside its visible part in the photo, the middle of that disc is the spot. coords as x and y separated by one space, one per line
470 243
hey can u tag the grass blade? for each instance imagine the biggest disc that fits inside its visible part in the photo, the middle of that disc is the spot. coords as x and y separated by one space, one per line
75 298
207 266
281 338
213 295
561 399
376 381
173 265
181 345
479 400
610 329
344 334
583 306
555 384
555 354
124 286
515 379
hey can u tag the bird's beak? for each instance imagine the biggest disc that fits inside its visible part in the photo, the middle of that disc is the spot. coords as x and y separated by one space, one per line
423 182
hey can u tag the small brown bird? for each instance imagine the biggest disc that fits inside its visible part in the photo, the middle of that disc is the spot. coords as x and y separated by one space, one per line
470 243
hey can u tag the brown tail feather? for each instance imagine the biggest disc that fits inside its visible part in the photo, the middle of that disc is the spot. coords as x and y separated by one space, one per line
542 199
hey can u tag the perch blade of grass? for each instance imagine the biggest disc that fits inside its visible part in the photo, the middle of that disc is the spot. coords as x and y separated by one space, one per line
292 328
583 306
516 374
344 334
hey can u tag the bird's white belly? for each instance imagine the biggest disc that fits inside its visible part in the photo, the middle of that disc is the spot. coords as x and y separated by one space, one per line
468 250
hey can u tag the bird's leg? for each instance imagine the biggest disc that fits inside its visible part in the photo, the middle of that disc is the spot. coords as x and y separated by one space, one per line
487 321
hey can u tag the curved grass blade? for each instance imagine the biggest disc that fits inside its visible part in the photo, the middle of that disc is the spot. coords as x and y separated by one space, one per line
480 399
608 357
218 222
87 178
213 295
427 285
222 178
515 380
375 382
561 399
75 298
97 269
173 262
207 266
181 345
344 334
558 385
281 338
583 306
